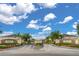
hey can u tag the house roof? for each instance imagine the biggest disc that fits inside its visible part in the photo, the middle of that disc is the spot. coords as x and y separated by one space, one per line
70 35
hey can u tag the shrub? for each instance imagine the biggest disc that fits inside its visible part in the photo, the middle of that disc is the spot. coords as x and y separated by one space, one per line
3 46
64 44
38 45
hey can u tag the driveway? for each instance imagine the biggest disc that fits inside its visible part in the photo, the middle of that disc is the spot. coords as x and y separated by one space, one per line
47 50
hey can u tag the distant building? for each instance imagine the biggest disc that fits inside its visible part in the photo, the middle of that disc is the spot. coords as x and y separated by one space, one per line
68 39
10 39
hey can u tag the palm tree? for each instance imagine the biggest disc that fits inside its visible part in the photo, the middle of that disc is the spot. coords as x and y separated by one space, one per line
61 38
24 36
56 35
32 41
48 40
77 27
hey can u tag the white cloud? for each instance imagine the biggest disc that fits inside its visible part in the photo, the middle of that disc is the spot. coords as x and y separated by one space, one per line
8 20
48 5
33 21
33 24
38 37
41 35
6 33
66 19
42 26
49 16
47 29
24 16
75 25
21 10
6 9
72 33
44 33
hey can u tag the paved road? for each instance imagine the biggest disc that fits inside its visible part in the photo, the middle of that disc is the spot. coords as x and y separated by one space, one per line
47 50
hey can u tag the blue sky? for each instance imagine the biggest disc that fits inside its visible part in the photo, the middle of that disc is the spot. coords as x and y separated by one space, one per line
39 19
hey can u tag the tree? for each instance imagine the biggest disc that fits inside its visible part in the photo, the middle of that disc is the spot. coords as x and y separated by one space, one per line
61 40
1 31
26 36
56 35
48 40
32 39
17 35
78 29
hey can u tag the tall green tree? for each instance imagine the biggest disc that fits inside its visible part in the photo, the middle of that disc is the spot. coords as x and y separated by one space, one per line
61 38
24 36
1 31
56 35
17 34
48 40
78 29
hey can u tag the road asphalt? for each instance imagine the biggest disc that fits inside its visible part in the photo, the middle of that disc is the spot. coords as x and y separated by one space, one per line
47 50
